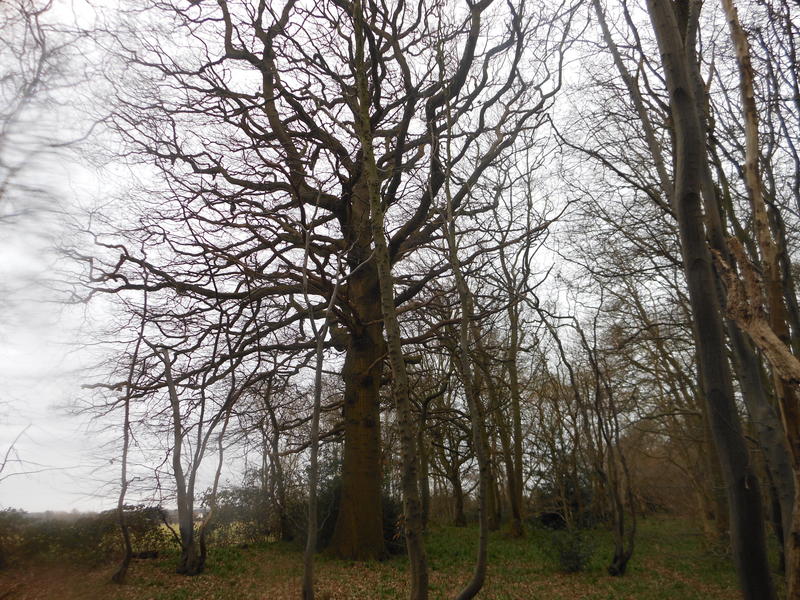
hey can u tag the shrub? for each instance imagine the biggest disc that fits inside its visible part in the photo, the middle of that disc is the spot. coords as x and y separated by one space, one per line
572 548
86 538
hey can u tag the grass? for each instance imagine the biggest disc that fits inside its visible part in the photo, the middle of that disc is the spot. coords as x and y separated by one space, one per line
670 561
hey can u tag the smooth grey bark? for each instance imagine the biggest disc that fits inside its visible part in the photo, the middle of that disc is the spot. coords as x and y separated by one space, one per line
785 388
765 419
746 514
190 562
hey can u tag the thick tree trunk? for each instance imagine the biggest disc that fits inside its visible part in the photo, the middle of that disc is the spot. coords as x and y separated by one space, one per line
192 560
369 185
358 533
716 482
747 526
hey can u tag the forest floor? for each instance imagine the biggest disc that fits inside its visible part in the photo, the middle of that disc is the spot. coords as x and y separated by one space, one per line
670 561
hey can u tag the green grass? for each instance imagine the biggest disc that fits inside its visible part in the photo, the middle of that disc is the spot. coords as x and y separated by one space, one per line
671 561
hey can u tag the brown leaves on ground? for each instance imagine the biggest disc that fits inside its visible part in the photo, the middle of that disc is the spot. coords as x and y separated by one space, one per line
273 572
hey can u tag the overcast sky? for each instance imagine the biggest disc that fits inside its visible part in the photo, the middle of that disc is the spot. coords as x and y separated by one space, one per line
42 359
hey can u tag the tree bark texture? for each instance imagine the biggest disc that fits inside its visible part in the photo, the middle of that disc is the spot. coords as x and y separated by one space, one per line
191 562
785 388
746 514
369 185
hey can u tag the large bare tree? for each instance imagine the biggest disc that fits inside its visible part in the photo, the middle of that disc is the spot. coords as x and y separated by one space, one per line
258 119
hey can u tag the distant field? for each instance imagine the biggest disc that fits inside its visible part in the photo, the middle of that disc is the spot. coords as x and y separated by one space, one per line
670 562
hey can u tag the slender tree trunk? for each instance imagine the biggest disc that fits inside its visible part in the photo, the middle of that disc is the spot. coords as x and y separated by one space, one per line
369 184
189 562
472 392
747 527
625 532
278 479
424 466
515 487
477 419
492 499
122 569
212 498
459 518
307 591
313 475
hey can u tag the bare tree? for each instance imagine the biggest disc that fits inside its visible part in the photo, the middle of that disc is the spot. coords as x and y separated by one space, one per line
747 531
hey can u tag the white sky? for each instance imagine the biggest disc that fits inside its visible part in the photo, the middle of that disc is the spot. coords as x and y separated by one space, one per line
40 360
40 349
40 363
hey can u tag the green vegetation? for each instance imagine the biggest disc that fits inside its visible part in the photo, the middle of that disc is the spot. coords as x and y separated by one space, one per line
671 562
86 539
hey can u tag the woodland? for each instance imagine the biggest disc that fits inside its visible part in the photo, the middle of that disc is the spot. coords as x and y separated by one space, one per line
382 274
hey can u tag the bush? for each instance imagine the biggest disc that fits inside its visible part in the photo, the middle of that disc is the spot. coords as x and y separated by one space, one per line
245 514
551 520
572 549
86 538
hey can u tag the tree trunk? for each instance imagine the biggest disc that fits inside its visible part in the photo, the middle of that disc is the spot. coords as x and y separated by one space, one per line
122 570
190 562
459 518
278 477
424 466
785 389
358 533
369 184
765 419
746 514
307 589
492 497
472 386
515 484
